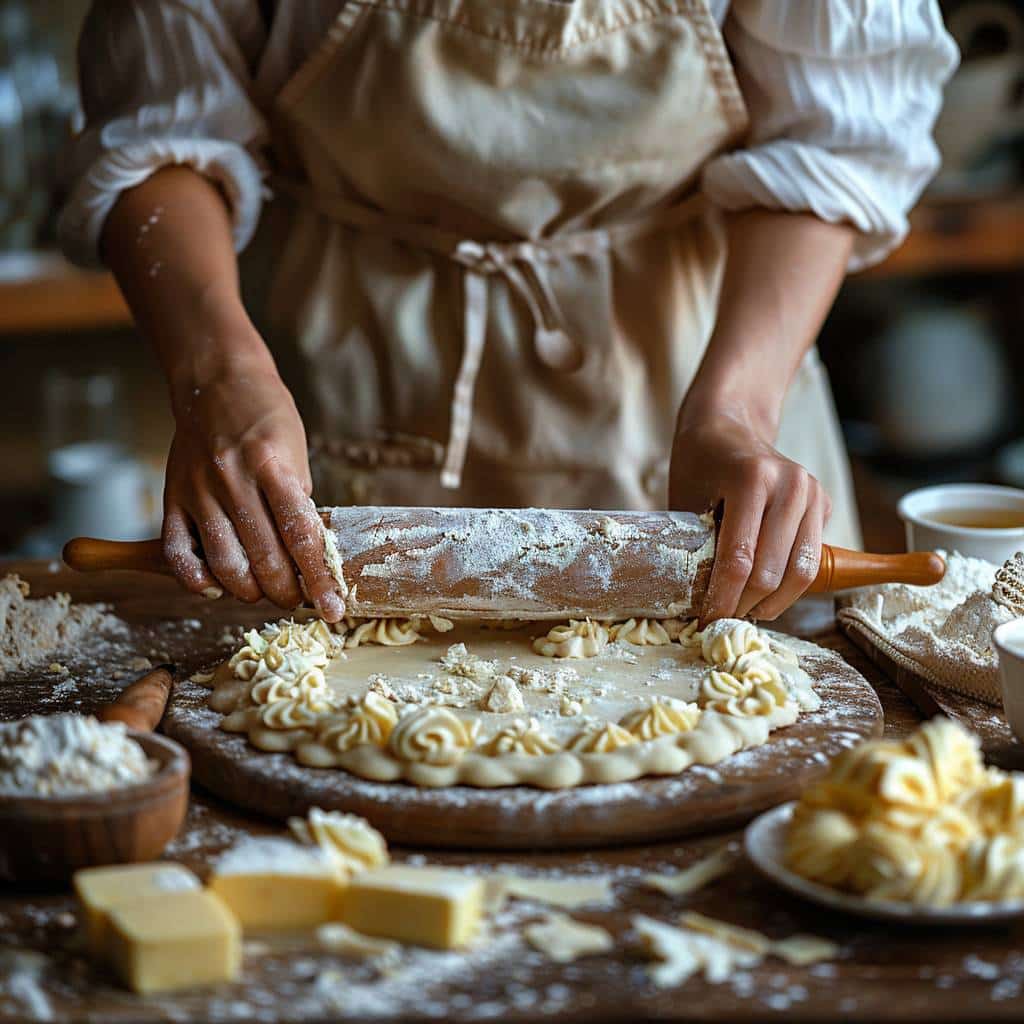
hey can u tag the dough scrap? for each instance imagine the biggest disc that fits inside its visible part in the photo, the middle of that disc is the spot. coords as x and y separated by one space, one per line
562 939
339 938
569 893
683 953
697 875
718 948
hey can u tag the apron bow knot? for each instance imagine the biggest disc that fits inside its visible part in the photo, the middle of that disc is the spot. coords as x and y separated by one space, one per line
517 263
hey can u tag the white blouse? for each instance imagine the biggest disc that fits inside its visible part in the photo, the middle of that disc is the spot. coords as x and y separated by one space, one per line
842 96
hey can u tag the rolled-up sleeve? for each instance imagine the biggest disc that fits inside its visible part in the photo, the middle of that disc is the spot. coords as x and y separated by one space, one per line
843 96
164 83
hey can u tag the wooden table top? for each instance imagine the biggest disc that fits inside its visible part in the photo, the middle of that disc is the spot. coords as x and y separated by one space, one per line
884 973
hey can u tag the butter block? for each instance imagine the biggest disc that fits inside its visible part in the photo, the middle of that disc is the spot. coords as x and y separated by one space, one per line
423 906
101 890
273 884
159 944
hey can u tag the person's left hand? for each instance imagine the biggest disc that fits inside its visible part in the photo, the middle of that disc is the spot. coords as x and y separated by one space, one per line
774 511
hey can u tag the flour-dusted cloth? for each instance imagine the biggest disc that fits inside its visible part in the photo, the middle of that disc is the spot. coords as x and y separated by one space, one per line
941 633
842 96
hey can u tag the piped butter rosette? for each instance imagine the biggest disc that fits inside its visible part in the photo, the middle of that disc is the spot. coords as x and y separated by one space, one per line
351 842
729 694
385 632
369 722
433 735
641 632
661 716
579 639
283 652
601 739
523 736
725 640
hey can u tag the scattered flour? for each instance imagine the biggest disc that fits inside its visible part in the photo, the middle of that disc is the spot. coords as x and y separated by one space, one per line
58 755
33 631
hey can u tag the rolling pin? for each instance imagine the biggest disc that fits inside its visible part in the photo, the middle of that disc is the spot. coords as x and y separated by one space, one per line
526 563
141 704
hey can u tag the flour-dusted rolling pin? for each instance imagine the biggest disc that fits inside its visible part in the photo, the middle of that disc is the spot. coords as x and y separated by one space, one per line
141 704
527 563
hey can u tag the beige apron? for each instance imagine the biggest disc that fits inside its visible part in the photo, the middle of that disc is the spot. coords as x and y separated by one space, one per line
499 266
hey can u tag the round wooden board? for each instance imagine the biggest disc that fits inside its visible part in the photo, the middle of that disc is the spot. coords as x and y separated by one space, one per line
698 800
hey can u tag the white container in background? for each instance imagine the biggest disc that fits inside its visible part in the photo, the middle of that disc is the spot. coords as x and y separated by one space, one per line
97 490
1009 641
923 513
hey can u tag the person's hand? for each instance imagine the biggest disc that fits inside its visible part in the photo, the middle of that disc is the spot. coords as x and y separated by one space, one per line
238 482
773 513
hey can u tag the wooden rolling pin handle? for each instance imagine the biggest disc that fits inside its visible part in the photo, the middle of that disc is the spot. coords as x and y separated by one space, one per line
841 569
141 704
88 554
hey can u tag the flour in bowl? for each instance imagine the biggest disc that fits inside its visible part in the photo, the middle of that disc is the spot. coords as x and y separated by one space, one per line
67 754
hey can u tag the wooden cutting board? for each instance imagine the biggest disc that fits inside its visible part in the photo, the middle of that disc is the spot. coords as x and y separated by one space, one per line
698 800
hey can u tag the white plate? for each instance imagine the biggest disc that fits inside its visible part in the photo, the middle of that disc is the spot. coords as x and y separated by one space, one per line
764 842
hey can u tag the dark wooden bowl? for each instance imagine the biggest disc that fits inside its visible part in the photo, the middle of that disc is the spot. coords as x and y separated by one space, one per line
47 839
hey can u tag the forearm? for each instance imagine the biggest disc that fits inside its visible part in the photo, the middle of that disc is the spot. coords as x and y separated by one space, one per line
781 276
168 242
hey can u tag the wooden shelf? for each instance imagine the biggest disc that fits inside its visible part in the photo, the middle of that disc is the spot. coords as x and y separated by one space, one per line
43 292
963 235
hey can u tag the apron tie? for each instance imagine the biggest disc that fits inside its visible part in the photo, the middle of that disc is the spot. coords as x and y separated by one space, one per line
516 263
520 263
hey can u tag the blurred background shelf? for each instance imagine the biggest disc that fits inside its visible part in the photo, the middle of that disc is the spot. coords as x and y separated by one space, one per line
961 235
41 291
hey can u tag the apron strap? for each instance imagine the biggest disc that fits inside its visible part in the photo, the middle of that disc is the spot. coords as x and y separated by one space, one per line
520 263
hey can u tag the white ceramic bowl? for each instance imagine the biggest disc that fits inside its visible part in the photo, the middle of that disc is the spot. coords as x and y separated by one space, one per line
1009 641
993 545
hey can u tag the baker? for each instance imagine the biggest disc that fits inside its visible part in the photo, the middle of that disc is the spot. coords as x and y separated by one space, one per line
539 253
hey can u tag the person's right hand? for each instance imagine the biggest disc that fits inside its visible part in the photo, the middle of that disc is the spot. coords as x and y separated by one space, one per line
238 485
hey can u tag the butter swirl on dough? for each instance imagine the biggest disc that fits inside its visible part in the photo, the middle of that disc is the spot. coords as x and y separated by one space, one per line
433 735
919 820
661 716
725 640
523 736
601 739
391 715
386 632
579 639
642 632
370 722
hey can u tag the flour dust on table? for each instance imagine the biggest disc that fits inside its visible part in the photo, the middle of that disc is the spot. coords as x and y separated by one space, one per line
489 704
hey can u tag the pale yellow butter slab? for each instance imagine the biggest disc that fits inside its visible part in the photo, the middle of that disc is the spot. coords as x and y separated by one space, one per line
159 944
423 906
104 889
